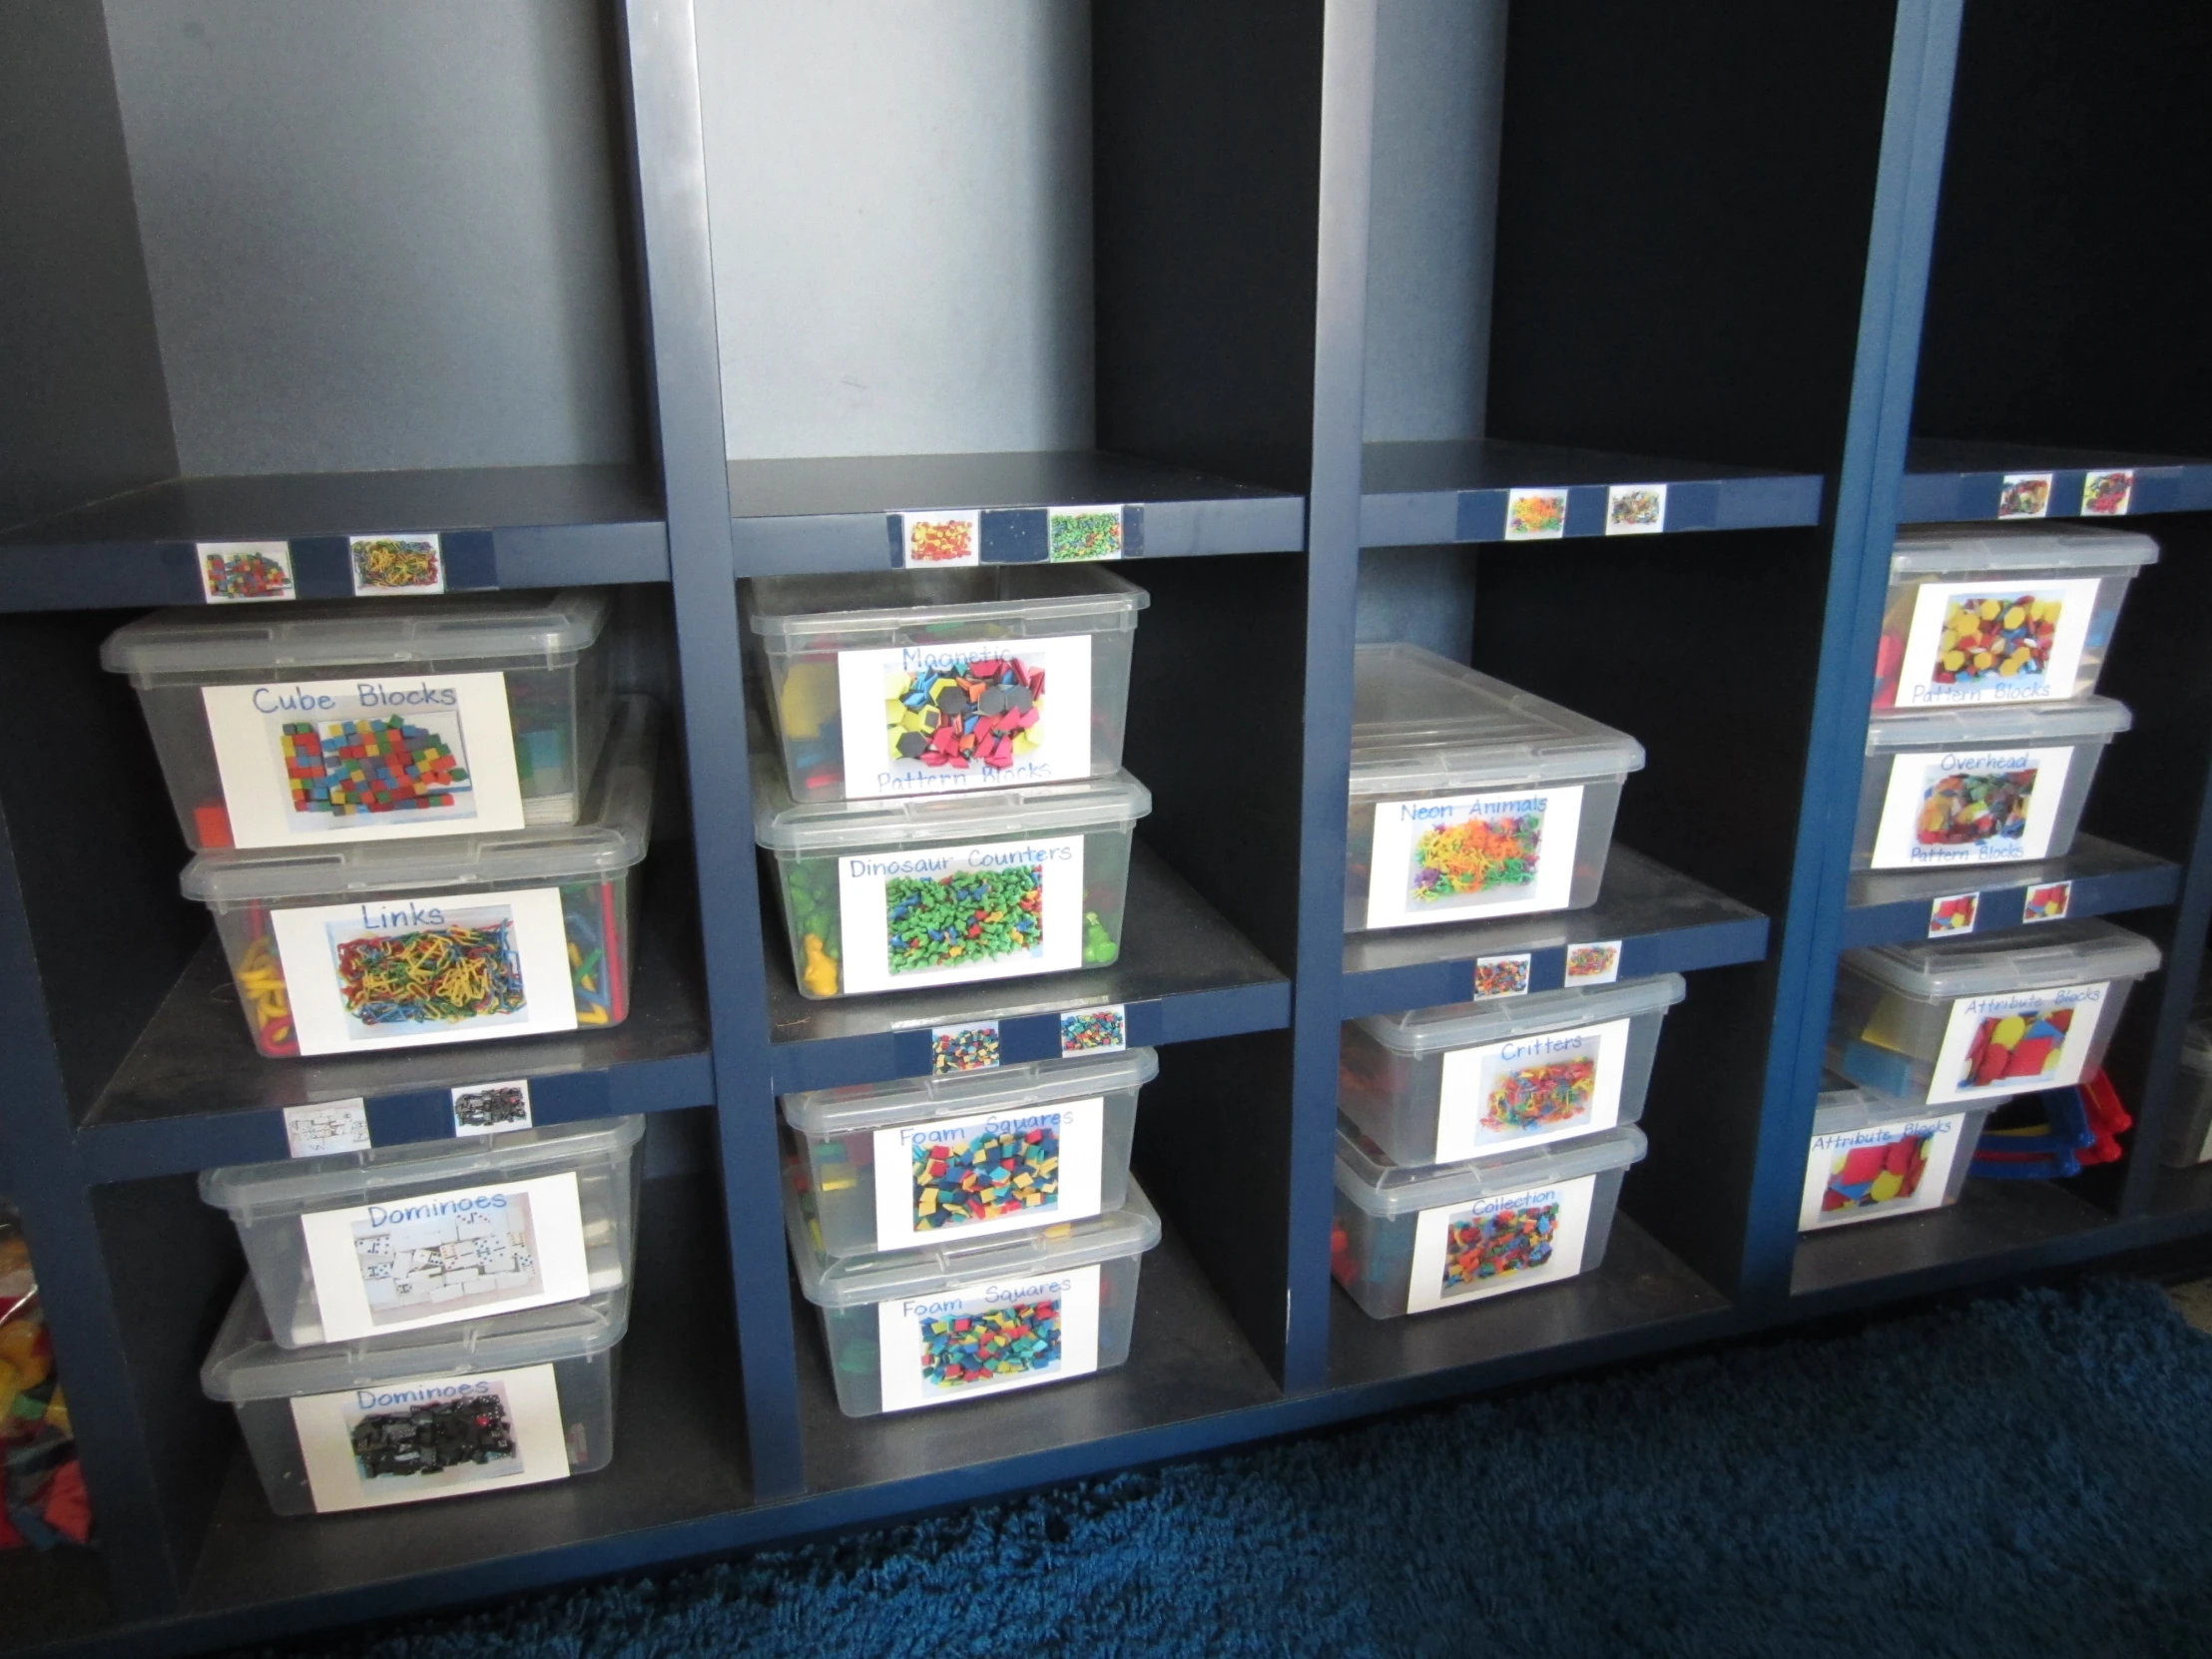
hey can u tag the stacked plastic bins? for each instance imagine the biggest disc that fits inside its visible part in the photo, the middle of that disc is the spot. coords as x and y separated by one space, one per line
1482 1147
943 806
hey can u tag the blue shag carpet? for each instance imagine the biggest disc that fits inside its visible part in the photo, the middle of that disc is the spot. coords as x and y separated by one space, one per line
2030 1475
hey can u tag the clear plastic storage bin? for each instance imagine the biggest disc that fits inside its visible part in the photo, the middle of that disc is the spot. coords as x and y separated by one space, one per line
1442 1085
1970 1019
370 1244
1410 1240
1470 800
1979 786
888 895
1872 1156
975 1153
479 1408
353 720
1986 616
929 682
364 947
2189 1141
934 1326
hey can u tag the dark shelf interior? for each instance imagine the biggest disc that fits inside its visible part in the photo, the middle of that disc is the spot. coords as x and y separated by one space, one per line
1891 905
56 1595
1992 1219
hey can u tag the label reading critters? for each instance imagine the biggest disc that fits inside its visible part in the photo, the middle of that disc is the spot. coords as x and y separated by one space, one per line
2015 1042
400 1443
243 572
1635 509
1995 642
1465 1252
1538 514
2048 903
926 540
1969 807
404 972
491 1108
1596 963
954 1179
1102 1030
1077 534
397 562
950 916
364 760
988 1336
2025 495
1529 1090
433 1257
1463 858
1892 1168
333 1126
2106 494
932 719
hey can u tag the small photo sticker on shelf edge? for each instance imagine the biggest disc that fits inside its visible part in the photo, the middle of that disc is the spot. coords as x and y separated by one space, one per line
2106 494
1635 509
2048 903
970 1047
1502 975
928 540
245 572
397 562
329 1126
491 1108
1535 514
1594 962
1083 535
1103 1030
2025 495
1954 914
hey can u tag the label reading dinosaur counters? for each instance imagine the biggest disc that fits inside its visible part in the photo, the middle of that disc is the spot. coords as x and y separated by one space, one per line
1464 1252
988 1336
966 1178
2015 1042
1981 805
933 719
1465 857
1892 1168
430 1436
1995 640
946 915
1528 1090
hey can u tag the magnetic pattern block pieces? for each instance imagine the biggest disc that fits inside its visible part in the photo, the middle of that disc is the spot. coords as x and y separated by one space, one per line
1500 1242
369 765
1005 1342
985 1179
1869 1175
982 711
2016 1046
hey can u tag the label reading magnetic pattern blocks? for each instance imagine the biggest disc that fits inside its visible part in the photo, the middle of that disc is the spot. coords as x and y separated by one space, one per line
1530 1089
1464 858
1464 1252
987 1337
947 915
967 1177
1951 806
927 720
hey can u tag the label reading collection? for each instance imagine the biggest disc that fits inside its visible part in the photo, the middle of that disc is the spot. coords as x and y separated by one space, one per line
1530 1089
1464 1252
937 718
1981 806
2015 1042
987 1337
964 1178
948 916
1459 857
1891 1169
400 1443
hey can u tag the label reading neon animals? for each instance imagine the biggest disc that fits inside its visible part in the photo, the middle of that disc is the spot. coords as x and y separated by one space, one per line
1464 1252
2016 1042
950 916
430 1436
2017 640
977 715
1971 806
961 1178
1527 1090
1465 857
988 1336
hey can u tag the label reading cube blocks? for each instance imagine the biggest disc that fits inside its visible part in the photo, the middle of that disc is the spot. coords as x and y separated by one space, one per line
988 1336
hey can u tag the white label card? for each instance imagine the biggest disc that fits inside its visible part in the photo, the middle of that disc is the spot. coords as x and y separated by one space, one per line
1470 857
403 973
1969 807
362 1445
1995 640
491 1108
988 1336
1892 1168
1529 1090
1464 1252
930 719
926 540
245 572
397 562
2015 1042
950 916
323 760
436 1258
1075 535
333 1126
955 1179
1635 509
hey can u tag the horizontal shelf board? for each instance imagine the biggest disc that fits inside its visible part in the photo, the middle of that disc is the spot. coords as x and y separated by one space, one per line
1893 906
194 1094
679 1451
836 512
1424 494
502 527
1184 973
1641 1289
1665 922
1971 1240
1950 480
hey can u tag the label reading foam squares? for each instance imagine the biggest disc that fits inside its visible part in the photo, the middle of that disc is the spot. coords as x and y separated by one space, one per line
401 1443
1464 858
2015 1042
932 719
1995 642
365 758
1971 806
1532 1089
988 1336
1892 1168
948 916
957 1179
1464 1252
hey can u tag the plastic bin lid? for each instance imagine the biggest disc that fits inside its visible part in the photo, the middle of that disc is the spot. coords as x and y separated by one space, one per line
1464 1024
809 827
1844 1106
189 642
864 1280
1422 722
609 837
908 607
252 1191
1961 550
1984 725
246 1364
869 1106
2052 953
1366 1175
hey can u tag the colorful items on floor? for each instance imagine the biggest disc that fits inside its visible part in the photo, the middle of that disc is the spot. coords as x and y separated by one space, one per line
42 1489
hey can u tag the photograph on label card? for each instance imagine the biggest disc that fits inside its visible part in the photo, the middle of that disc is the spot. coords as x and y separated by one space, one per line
404 965
1997 639
398 564
2017 1049
984 712
1970 807
969 917
453 1435
2025 495
1885 1173
1477 860
426 1257
1525 1098
341 764
978 1174
1008 1339
1482 1249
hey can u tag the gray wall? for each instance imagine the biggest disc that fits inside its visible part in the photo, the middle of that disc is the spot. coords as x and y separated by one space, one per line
902 215
380 234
